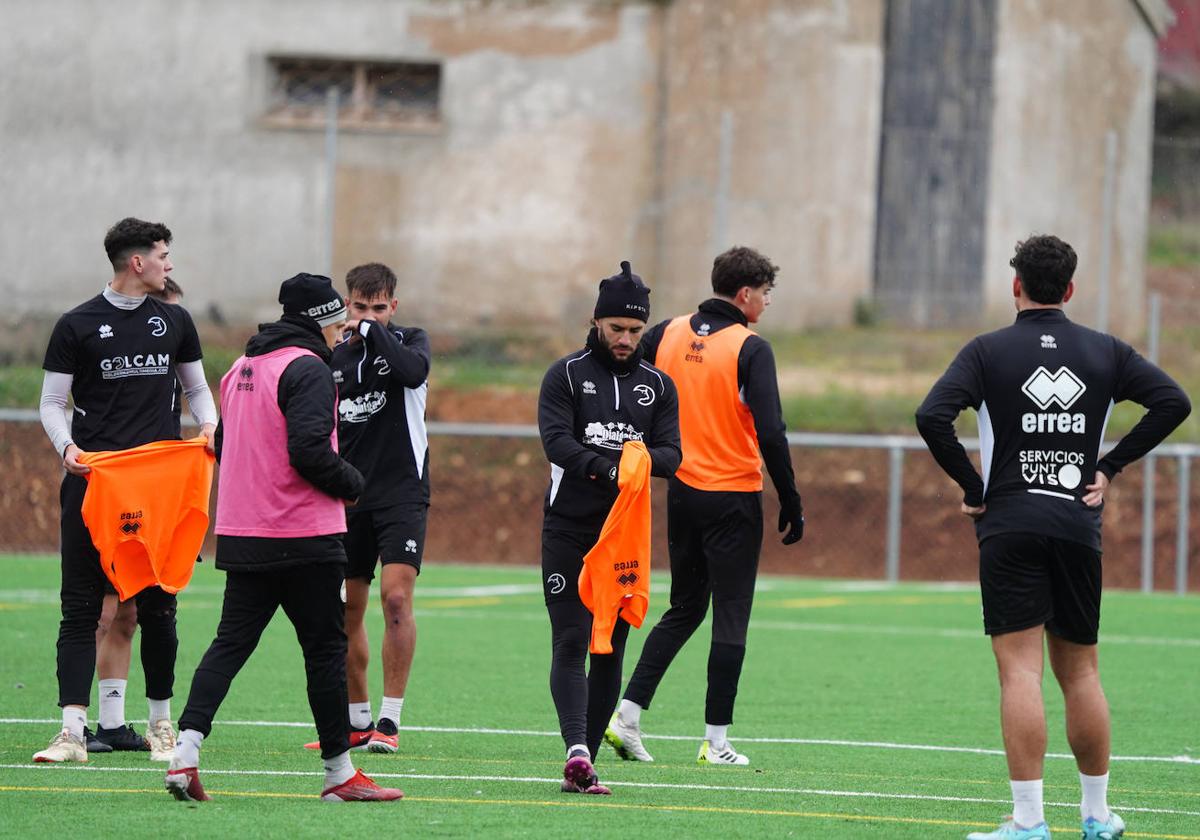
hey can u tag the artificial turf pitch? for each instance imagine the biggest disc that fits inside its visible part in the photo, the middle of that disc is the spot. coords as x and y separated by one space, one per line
867 711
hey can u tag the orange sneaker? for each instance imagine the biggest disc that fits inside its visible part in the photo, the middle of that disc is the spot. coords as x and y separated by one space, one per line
360 788
358 739
184 785
386 738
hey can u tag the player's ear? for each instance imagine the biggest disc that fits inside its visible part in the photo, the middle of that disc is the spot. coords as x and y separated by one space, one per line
1070 291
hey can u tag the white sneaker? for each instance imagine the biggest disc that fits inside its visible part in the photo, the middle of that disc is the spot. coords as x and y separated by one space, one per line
626 739
64 747
725 755
161 736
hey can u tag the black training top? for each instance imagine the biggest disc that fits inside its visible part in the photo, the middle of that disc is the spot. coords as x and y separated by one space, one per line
589 405
757 384
1044 388
123 363
382 385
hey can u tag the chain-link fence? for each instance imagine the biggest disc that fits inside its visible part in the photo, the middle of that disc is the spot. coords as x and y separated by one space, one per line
878 507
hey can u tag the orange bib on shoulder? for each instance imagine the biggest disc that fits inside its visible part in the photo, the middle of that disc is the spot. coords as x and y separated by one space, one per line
616 572
147 511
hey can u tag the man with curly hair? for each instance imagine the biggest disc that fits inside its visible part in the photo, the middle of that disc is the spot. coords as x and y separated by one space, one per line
1043 389
730 422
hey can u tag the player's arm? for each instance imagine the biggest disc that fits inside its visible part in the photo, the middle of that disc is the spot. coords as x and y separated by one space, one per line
307 397
189 370
1166 407
663 443
199 397
760 385
59 366
960 387
52 408
556 423
407 359
651 340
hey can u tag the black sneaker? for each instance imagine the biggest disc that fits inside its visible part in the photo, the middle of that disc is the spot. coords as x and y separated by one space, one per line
94 744
122 739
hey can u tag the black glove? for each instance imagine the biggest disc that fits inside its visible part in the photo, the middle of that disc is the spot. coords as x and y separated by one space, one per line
791 513
602 469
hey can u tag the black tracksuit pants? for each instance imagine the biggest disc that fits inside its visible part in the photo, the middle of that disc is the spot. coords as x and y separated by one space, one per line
583 697
311 598
715 539
82 596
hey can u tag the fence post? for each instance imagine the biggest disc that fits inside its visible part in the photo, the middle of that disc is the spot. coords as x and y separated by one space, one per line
895 488
1181 534
1153 330
1107 223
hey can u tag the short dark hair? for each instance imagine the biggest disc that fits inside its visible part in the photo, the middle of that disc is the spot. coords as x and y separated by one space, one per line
1044 265
170 289
132 236
371 281
739 267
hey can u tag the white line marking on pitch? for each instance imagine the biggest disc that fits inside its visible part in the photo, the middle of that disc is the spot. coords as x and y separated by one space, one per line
439 777
824 742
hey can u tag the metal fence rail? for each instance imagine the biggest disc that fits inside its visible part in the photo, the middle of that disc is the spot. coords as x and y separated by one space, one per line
897 446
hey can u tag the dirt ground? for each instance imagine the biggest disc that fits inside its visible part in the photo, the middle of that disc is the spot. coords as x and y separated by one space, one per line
488 493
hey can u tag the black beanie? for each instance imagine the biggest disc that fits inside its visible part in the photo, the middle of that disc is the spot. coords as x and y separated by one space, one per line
623 295
314 296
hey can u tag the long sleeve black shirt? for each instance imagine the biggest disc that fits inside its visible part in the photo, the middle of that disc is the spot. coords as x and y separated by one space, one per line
1044 388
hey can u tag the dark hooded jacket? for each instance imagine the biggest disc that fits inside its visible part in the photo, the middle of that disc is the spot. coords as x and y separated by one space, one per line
308 399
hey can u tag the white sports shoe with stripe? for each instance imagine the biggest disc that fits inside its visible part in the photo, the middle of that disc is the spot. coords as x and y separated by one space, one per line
726 755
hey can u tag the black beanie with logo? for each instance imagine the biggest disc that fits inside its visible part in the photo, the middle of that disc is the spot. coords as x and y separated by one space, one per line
312 295
623 295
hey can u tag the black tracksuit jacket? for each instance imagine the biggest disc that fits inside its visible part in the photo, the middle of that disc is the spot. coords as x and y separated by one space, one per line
1043 389
307 397
381 381
589 405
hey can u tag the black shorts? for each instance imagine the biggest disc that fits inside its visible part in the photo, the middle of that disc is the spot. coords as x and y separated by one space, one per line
562 561
1028 579
388 535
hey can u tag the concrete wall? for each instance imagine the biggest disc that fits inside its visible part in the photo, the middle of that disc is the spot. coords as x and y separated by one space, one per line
573 134
1095 63
771 134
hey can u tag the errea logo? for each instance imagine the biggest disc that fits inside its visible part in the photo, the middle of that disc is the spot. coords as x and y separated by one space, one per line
705 329
106 331
1048 343
1045 389
589 387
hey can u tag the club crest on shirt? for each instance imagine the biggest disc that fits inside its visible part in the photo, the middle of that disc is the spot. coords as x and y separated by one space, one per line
157 326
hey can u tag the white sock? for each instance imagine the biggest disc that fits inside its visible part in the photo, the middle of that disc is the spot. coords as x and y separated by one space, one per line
112 703
390 709
187 750
360 715
718 736
1027 803
1095 797
74 719
160 710
338 770
630 712
578 748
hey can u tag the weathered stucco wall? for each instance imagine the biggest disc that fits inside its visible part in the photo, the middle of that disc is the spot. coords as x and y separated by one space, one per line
771 134
1067 72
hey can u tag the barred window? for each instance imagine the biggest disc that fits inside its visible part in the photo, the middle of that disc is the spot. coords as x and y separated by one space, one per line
371 94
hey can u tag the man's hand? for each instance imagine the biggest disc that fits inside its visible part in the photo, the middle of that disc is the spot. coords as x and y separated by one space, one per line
209 432
1095 494
71 460
351 333
791 516
973 512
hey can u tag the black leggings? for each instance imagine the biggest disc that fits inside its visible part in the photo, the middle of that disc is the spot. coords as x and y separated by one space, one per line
311 599
714 539
584 697
82 596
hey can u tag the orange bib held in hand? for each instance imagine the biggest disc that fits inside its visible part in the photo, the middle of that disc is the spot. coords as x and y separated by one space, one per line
616 572
147 511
